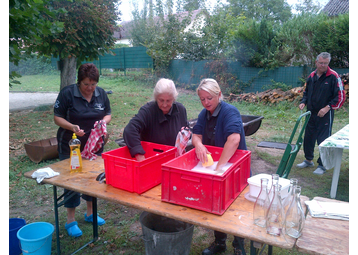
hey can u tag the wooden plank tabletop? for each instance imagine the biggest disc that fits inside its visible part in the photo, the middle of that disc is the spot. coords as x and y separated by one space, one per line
237 220
324 236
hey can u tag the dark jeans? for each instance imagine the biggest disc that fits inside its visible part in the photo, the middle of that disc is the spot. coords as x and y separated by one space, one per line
76 199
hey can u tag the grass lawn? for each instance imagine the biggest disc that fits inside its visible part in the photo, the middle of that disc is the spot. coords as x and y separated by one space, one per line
121 234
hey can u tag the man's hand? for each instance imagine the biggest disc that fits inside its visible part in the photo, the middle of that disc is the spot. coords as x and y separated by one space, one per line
301 106
323 111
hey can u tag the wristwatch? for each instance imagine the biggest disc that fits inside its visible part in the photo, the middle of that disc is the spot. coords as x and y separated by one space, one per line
329 106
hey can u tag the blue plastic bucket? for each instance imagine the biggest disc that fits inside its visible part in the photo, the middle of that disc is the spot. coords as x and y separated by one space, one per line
14 225
36 238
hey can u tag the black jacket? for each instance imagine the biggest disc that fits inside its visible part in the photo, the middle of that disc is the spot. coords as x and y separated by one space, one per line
323 91
151 125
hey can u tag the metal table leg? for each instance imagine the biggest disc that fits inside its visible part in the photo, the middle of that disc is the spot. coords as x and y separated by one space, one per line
57 205
254 251
56 220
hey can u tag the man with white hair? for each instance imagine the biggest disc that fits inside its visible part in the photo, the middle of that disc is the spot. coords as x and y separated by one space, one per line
324 93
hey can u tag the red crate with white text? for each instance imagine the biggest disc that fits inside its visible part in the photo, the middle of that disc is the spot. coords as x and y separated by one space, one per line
207 192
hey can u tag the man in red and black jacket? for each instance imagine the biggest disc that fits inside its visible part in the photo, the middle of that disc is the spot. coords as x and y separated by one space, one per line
324 93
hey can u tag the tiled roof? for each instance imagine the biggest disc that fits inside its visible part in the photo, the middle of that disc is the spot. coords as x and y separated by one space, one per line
336 7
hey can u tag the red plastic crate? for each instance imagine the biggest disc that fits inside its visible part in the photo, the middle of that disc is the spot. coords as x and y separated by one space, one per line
125 172
206 192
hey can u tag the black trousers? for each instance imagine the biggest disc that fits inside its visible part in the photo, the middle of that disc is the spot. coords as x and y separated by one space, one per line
221 239
317 130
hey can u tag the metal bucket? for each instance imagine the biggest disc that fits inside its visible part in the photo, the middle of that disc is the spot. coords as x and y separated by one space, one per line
163 235
42 150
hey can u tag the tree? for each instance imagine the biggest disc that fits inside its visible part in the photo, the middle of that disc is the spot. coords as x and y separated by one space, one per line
301 39
219 33
163 34
88 32
254 43
332 35
28 23
270 10
307 6
166 43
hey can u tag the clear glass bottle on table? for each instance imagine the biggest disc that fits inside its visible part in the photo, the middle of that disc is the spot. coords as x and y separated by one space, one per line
261 204
275 179
295 216
275 214
287 201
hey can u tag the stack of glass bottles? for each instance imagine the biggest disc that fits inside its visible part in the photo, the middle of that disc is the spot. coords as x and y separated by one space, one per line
279 216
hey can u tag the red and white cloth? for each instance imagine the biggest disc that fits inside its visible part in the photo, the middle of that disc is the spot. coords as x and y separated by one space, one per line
95 140
182 140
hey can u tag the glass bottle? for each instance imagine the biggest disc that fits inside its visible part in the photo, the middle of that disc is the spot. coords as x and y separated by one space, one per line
287 201
275 215
261 204
275 179
295 217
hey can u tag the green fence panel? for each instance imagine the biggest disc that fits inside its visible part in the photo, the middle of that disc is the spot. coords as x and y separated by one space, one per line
188 72
137 57
250 79
122 58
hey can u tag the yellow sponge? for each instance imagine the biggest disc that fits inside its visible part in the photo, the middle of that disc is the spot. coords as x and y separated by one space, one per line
210 161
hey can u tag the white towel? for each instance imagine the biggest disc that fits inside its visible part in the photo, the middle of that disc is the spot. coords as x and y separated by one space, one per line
331 210
43 173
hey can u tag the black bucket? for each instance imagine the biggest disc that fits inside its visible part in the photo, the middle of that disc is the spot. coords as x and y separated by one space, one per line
163 235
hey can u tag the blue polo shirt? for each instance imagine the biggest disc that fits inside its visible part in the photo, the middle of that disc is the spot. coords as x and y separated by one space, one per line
74 108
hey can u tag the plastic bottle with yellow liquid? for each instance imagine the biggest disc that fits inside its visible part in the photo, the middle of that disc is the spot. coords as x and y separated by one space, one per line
76 158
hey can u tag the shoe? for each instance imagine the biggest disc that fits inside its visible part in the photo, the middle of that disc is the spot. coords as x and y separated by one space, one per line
214 248
237 251
320 170
305 164
73 229
100 221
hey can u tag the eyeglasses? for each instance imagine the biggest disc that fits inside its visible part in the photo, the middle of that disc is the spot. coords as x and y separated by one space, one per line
323 63
89 85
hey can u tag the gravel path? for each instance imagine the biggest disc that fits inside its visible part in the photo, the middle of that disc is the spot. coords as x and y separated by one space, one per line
19 101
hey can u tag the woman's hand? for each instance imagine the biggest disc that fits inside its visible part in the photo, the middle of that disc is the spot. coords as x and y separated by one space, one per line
200 149
230 148
139 157
76 129
69 126
201 152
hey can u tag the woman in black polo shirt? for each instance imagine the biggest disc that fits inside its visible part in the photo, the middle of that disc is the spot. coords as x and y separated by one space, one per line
77 108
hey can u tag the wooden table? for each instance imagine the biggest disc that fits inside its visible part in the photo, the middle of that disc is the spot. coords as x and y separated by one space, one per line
237 220
324 236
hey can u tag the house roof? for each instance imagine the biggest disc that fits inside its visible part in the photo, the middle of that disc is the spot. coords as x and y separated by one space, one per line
124 31
336 7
